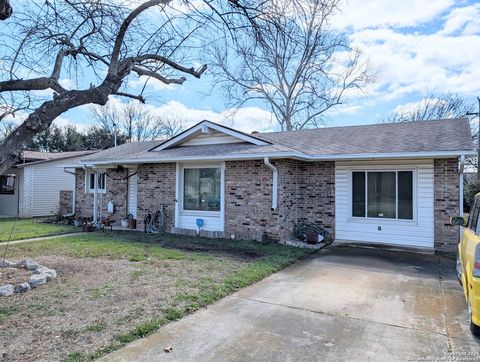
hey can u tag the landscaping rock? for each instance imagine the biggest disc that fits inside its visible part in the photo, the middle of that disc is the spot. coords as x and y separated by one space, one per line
29 265
49 273
6 290
22 288
36 280
7 264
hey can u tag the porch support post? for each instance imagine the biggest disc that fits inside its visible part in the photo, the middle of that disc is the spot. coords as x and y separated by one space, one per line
95 197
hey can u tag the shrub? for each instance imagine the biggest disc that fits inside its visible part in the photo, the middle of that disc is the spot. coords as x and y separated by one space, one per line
469 192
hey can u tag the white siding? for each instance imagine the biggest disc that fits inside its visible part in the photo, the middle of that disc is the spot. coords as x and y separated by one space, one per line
26 208
47 181
9 203
211 139
417 233
132 193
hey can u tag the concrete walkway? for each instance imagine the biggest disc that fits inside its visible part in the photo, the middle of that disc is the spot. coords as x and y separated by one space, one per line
341 304
40 238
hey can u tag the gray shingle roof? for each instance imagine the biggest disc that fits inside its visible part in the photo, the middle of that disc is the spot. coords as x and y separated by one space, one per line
34 157
422 136
450 135
123 151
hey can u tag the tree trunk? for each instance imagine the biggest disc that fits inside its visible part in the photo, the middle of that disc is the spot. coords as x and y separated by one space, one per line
42 118
5 9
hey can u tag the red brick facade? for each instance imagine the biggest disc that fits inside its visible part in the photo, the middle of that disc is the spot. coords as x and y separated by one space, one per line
446 198
306 194
155 188
116 191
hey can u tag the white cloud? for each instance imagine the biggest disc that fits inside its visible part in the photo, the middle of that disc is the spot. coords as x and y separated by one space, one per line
361 14
407 63
464 20
62 122
245 119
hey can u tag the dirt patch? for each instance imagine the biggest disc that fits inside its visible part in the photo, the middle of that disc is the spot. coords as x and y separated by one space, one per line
94 300
14 275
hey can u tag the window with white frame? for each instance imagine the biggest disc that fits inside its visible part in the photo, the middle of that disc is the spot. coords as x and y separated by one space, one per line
5 188
382 194
90 182
201 189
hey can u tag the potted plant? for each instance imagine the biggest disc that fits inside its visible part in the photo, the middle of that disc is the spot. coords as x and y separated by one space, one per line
132 223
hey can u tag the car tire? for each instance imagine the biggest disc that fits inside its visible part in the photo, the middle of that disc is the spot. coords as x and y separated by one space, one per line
473 327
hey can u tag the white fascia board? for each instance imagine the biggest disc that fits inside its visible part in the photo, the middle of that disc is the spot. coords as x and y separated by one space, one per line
293 155
176 140
71 165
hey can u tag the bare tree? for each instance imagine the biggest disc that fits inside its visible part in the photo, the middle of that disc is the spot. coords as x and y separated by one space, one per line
170 126
432 107
292 61
139 124
133 122
85 41
441 106
5 9
6 127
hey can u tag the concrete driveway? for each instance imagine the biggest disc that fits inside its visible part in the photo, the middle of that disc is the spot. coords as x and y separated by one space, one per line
343 303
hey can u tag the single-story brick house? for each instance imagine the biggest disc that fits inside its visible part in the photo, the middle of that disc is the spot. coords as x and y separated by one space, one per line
392 184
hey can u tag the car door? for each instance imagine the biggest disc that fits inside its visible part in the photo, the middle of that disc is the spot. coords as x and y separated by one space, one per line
468 242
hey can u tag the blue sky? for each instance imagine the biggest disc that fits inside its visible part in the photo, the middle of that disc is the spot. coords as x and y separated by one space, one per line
412 47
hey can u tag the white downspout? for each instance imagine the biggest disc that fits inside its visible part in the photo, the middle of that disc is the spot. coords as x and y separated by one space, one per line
267 163
461 166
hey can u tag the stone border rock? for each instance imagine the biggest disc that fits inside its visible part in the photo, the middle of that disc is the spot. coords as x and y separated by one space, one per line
42 275
303 245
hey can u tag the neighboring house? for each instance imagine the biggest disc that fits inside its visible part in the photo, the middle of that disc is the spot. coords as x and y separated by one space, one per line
40 178
394 184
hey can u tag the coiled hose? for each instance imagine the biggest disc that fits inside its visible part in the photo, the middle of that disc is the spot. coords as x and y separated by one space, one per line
155 223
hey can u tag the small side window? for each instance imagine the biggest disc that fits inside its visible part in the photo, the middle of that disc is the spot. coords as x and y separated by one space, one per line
473 218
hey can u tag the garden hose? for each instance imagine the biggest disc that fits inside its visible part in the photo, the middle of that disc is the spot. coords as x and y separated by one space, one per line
155 223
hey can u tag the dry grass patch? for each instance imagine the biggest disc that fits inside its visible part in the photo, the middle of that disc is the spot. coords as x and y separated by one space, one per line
115 287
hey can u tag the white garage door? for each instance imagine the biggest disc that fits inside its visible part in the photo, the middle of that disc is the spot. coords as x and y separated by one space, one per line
385 202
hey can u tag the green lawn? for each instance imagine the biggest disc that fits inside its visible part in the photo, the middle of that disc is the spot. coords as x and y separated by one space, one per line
113 288
30 228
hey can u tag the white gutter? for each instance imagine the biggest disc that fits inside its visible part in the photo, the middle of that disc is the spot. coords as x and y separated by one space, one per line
267 163
74 193
461 166
295 155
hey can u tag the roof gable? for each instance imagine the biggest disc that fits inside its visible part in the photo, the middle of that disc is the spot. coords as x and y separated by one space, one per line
209 133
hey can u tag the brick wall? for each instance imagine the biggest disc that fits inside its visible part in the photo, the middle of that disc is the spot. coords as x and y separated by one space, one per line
156 186
248 201
66 198
446 196
316 195
116 192
306 194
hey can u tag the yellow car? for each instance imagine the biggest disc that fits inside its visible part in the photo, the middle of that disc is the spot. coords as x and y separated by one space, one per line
468 263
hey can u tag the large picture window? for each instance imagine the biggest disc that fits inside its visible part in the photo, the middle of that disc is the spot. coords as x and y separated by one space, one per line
386 194
201 189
